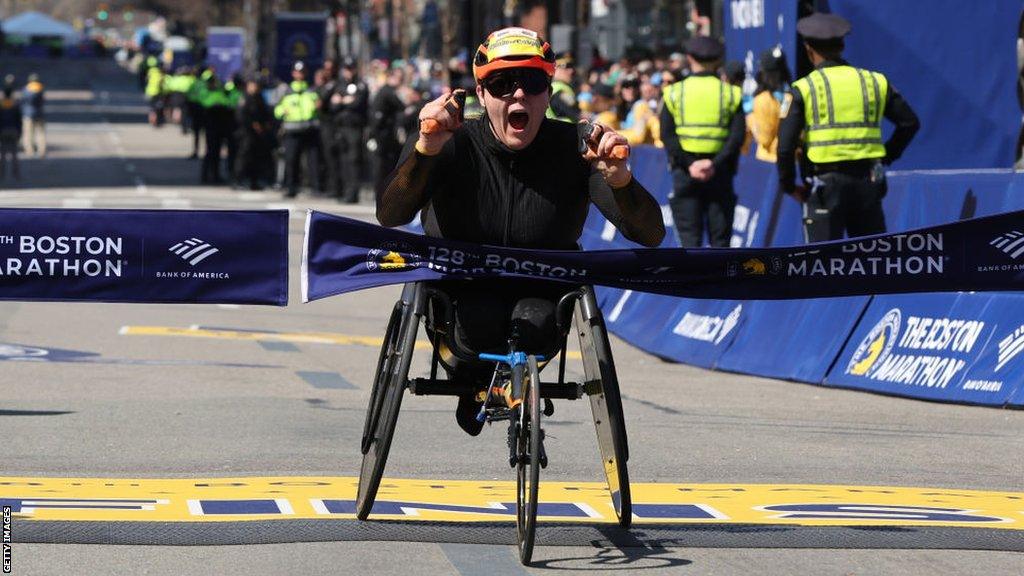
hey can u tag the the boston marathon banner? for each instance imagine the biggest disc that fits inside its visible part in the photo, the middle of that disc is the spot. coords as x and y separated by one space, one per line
342 255
173 256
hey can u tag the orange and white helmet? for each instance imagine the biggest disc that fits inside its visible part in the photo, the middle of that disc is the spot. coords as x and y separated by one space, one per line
513 48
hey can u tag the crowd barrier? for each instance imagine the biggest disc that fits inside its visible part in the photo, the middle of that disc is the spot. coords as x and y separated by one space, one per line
960 347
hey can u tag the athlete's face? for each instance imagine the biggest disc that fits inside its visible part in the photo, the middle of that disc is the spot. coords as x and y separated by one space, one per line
515 100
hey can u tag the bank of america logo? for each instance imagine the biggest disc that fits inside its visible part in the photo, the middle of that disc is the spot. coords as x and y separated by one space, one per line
1012 243
1010 347
194 250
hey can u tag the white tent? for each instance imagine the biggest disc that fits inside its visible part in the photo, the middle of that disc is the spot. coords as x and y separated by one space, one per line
28 25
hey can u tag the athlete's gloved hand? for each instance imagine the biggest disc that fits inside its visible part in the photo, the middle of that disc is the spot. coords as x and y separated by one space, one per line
608 151
439 119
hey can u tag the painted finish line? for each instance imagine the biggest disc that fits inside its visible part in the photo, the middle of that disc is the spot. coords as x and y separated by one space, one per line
218 333
289 498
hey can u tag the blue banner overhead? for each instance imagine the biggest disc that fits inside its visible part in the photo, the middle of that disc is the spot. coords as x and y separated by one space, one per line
300 37
174 256
225 50
343 255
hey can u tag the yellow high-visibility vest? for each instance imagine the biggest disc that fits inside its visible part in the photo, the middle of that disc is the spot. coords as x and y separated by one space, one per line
843 109
703 108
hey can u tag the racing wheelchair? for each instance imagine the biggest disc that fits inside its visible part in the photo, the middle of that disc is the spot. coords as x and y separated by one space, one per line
423 301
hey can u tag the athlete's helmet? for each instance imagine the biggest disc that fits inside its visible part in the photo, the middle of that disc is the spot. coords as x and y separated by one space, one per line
513 48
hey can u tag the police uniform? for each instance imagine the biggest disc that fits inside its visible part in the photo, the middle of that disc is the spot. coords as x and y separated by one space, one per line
300 123
218 112
702 119
563 104
350 114
839 109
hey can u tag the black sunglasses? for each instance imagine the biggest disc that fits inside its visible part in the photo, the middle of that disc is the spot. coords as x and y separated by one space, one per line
503 84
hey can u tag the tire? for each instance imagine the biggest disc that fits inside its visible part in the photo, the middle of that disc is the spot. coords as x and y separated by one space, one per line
528 464
385 364
609 421
386 400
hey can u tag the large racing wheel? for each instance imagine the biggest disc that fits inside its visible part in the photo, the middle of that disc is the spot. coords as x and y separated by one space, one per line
385 401
528 450
605 403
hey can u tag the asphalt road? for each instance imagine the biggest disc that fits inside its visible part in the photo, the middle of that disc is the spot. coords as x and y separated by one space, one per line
161 406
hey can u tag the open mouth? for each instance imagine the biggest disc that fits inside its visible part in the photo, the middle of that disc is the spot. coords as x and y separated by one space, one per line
518 119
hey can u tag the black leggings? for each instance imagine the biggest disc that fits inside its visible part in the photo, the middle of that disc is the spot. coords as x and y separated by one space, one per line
487 310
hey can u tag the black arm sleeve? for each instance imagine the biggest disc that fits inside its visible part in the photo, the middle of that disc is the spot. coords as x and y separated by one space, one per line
737 132
408 187
789 139
676 157
631 209
899 112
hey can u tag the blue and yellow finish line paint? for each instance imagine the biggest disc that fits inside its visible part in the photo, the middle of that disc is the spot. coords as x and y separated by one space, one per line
302 497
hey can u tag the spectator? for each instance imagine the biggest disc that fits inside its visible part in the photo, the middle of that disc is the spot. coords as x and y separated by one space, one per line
10 133
770 97
33 119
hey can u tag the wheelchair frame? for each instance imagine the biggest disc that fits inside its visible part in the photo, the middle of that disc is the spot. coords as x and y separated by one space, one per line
391 380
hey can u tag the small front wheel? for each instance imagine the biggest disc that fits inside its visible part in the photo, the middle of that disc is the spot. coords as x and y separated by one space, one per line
528 450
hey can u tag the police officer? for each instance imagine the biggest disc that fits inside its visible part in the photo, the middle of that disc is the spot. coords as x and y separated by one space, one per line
254 120
563 97
196 118
328 85
702 127
349 109
156 91
388 114
219 114
840 110
300 124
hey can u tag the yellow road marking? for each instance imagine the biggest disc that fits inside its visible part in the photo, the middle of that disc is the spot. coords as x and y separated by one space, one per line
308 497
295 337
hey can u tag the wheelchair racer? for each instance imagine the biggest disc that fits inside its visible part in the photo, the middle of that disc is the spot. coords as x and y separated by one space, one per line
511 178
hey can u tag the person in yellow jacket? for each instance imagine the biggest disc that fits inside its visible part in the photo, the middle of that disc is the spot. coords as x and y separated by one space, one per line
702 128
771 95
840 109
155 92
298 112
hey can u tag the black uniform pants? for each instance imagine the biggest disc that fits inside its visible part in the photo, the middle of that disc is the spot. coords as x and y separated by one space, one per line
329 149
215 139
693 202
296 144
253 158
350 148
196 124
841 201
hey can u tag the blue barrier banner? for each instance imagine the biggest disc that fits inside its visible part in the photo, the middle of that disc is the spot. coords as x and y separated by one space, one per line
936 346
300 36
342 255
174 256
795 340
225 50
944 83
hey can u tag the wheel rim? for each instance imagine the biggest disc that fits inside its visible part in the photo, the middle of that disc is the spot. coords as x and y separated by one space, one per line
528 465
385 364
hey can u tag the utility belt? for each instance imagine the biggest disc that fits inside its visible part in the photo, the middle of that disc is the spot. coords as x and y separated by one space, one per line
300 126
855 168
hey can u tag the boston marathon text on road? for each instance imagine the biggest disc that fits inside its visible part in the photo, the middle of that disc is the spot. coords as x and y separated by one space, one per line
77 256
